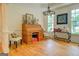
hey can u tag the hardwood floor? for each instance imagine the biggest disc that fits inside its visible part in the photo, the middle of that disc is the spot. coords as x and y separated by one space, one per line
46 48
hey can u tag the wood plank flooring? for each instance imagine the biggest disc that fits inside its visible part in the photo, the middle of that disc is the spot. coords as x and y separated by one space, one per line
46 48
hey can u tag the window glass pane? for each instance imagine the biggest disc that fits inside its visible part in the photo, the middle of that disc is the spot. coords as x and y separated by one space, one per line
77 17
73 11
73 15
75 21
50 23
77 10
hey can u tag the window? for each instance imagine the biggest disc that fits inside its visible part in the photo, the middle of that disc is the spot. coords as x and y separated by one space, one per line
75 21
50 23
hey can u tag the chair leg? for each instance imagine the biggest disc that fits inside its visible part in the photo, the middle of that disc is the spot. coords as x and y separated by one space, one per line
15 43
20 41
9 43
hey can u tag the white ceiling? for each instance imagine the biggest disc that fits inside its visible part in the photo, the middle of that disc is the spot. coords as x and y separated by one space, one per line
54 5
45 5
50 4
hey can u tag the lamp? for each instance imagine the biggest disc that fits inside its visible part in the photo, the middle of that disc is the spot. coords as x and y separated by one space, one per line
48 12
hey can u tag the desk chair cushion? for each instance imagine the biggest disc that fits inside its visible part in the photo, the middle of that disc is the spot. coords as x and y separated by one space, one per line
14 37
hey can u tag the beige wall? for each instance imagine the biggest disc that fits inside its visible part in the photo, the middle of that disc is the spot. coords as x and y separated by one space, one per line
15 12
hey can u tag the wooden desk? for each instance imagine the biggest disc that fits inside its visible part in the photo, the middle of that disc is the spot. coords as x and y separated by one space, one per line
28 30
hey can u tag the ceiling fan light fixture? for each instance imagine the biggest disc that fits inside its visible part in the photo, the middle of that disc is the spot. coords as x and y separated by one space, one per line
48 12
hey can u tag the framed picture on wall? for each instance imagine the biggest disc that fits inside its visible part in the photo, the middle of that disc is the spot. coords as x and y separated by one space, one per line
62 18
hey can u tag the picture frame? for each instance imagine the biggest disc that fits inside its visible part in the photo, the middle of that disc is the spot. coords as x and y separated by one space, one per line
27 18
62 18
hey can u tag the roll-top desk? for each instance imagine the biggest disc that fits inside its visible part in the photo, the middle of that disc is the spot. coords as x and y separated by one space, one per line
29 29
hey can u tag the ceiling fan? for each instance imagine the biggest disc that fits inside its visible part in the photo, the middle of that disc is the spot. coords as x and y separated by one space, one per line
48 12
